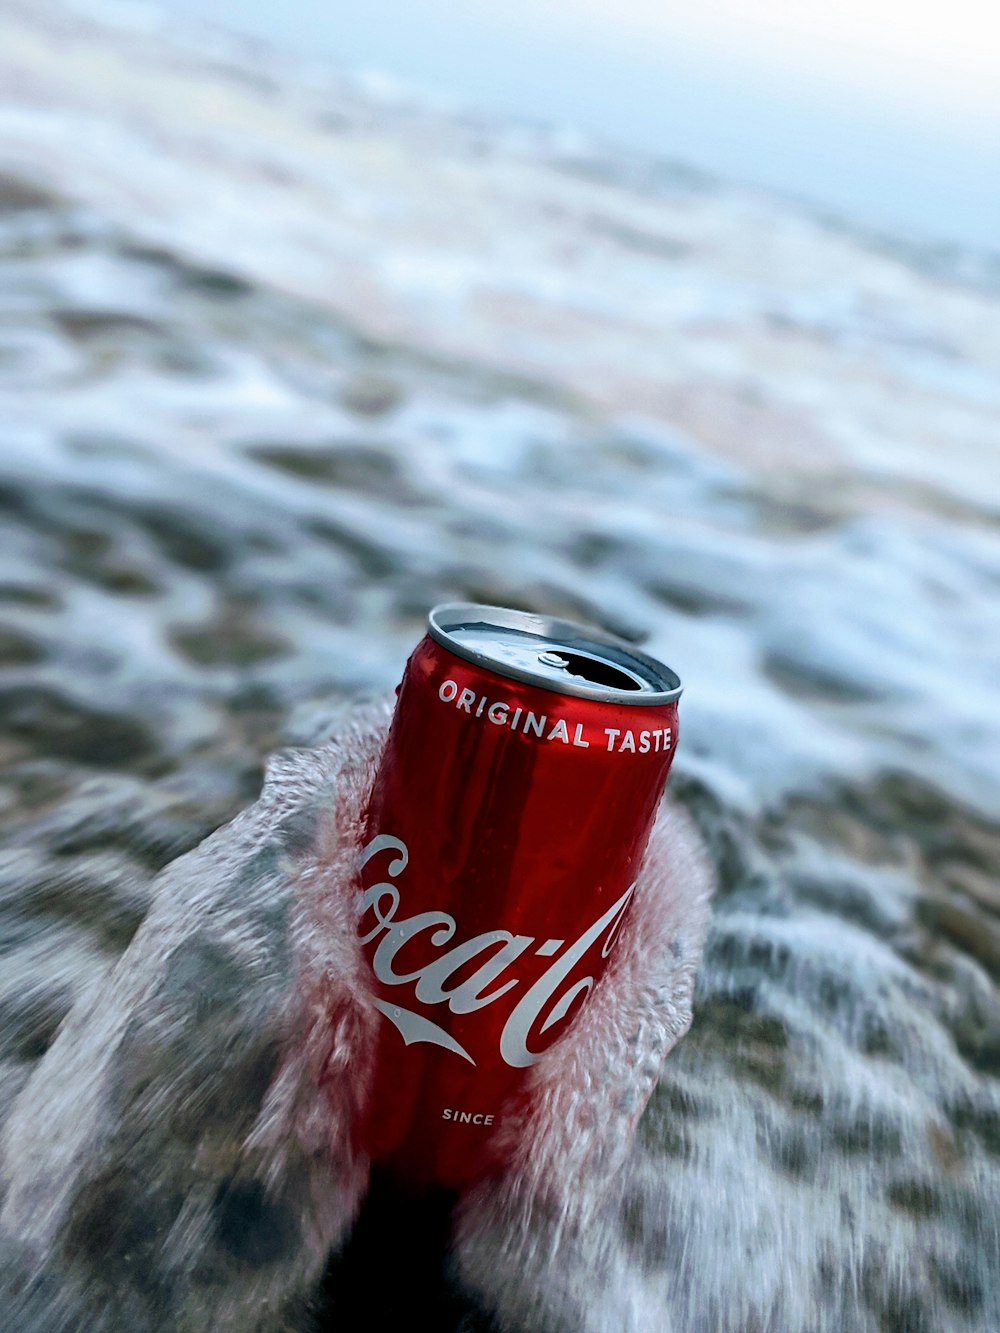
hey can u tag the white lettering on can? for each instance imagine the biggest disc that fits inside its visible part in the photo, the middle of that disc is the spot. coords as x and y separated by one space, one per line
468 1117
544 1004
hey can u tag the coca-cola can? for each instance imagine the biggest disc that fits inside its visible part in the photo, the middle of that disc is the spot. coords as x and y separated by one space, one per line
504 833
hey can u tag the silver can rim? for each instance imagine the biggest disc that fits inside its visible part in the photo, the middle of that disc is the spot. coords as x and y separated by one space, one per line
449 615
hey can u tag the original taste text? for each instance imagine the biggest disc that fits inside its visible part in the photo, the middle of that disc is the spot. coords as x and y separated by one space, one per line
616 740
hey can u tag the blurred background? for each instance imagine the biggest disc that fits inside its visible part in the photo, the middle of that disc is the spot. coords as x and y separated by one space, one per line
887 114
681 321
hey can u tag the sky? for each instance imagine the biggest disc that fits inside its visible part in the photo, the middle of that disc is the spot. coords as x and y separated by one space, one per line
883 112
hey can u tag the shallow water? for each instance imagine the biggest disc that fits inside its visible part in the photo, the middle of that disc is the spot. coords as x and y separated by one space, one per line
265 398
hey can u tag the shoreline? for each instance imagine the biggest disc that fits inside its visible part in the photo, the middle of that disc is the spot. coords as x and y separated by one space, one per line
764 335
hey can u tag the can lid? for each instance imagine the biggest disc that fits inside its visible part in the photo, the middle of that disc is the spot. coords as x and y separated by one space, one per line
553 654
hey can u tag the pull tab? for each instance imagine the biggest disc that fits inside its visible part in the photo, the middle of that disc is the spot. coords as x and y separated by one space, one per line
590 669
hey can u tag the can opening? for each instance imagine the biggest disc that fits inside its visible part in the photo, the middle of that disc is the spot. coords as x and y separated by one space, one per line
598 672
552 654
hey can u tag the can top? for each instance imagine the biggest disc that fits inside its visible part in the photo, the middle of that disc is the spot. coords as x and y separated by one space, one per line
553 654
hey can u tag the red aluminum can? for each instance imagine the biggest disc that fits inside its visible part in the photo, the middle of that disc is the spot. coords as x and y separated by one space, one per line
505 830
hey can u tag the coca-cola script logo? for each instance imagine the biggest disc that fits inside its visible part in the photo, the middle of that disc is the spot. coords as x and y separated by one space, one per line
546 1002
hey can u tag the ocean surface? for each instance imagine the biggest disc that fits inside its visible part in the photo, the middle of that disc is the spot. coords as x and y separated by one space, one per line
875 124
286 360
